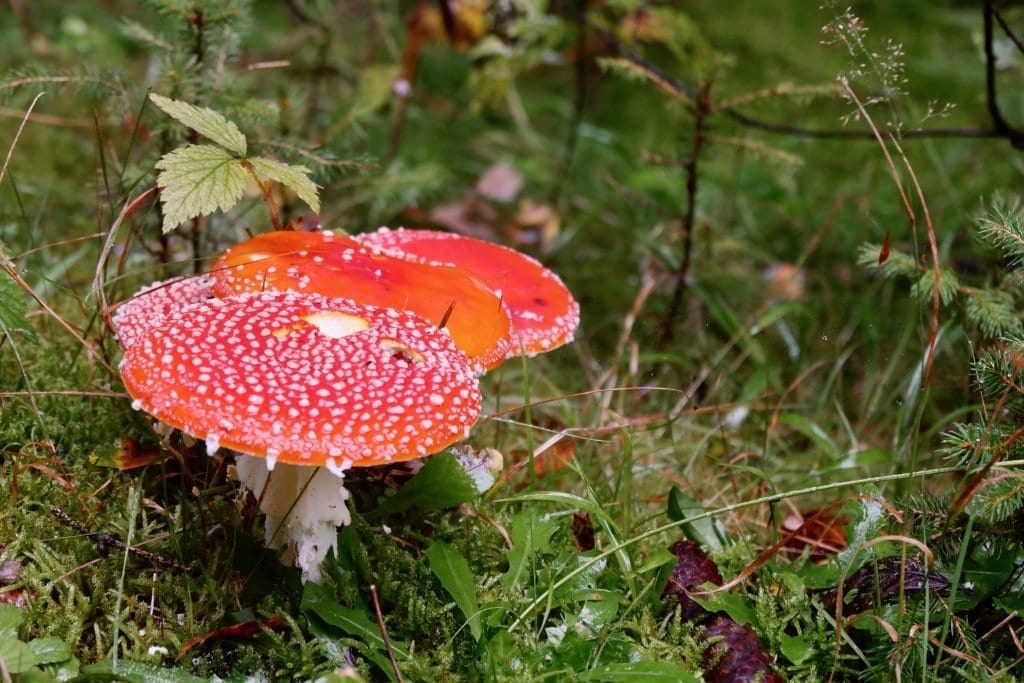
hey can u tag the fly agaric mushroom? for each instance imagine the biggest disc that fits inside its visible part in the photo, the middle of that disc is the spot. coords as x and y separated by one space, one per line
152 303
543 313
300 381
337 265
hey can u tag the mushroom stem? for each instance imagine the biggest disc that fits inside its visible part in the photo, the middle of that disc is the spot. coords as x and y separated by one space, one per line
303 505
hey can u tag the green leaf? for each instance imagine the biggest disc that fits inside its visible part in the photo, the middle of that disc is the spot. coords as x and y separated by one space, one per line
452 569
708 531
206 122
530 533
11 618
795 648
639 672
442 483
50 650
319 601
16 656
736 606
143 673
196 181
294 177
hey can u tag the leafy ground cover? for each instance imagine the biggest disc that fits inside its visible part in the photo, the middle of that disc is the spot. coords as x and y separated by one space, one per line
783 444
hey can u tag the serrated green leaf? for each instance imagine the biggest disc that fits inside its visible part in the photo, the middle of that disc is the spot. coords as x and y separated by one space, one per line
452 569
196 181
206 122
294 177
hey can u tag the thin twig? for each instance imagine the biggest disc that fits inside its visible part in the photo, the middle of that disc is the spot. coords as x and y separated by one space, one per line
687 227
268 199
384 633
99 279
105 541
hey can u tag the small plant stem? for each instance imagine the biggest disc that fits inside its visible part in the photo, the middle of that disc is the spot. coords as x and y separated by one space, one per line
267 198
384 633
686 228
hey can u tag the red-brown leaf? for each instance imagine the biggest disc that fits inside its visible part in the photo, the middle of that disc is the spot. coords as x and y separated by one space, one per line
735 654
693 569
246 629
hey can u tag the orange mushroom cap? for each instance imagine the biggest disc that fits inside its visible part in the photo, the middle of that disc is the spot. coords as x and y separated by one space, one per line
338 266
303 379
543 313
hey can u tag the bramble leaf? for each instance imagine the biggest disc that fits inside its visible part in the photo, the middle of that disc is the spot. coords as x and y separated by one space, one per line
198 180
206 122
294 177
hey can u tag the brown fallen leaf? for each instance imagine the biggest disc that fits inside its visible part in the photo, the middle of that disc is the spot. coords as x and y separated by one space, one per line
878 583
735 654
246 629
693 569
132 455
821 533
582 531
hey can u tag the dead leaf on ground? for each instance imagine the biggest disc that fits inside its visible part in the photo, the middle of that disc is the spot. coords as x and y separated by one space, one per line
582 531
822 534
693 569
246 629
878 583
735 654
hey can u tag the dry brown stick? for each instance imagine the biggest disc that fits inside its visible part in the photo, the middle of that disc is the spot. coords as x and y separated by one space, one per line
384 633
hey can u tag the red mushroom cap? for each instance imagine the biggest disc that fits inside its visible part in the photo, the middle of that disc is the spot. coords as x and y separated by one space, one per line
338 266
304 379
152 303
543 313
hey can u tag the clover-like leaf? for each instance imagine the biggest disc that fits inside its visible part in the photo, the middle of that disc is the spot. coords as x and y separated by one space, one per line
294 177
206 122
198 180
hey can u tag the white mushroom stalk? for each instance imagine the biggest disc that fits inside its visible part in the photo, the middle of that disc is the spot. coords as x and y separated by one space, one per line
304 506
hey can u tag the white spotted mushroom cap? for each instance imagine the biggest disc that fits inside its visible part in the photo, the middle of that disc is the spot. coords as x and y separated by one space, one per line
152 303
303 379
542 312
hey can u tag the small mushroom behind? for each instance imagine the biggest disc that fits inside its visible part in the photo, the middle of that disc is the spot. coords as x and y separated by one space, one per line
336 265
300 381
543 313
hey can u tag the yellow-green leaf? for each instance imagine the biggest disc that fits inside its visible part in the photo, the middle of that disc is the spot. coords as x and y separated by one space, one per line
206 122
294 177
197 180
